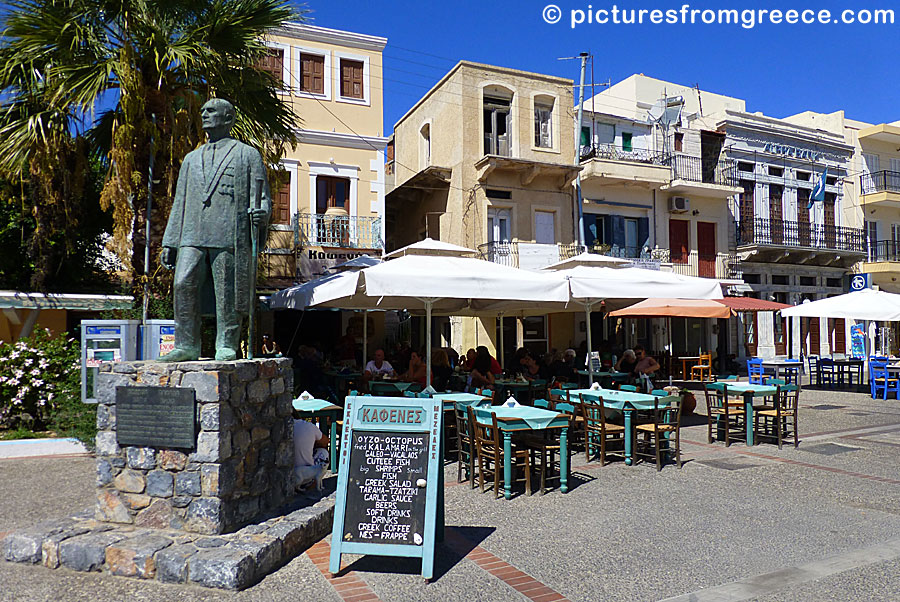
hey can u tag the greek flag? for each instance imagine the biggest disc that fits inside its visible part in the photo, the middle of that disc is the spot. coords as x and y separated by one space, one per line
818 191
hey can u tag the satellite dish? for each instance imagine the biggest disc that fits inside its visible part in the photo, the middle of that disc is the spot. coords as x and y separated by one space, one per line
666 111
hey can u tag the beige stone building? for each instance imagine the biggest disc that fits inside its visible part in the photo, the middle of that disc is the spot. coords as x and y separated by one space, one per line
332 205
486 159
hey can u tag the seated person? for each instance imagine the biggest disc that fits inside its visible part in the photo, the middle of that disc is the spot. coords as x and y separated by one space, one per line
417 372
470 359
607 358
270 347
378 366
310 454
627 362
481 375
646 364
440 368
530 368
495 365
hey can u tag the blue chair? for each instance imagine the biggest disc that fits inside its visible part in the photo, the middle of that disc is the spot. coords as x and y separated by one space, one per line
564 408
755 370
792 373
542 403
880 379
631 388
828 374
658 393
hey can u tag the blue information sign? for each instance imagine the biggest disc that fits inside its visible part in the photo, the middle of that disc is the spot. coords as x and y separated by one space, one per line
389 490
860 282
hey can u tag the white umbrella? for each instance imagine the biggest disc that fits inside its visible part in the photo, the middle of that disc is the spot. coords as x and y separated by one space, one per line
443 284
868 304
589 259
591 286
429 246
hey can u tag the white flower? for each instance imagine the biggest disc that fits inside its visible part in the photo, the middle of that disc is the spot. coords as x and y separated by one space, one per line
43 364
28 361
49 396
20 373
13 381
37 383
35 372
13 355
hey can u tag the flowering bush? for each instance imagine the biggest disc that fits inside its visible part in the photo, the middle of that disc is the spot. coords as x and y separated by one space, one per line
36 374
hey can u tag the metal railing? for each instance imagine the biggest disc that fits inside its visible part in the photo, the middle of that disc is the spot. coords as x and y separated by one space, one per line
880 181
761 231
693 263
504 253
507 253
695 169
884 250
617 153
337 231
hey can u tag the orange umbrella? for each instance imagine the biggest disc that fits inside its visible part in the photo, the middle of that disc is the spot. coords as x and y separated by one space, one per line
677 308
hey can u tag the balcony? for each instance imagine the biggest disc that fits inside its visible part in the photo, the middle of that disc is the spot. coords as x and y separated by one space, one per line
610 164
793 242
721 266
343 231
881 188
883 257
534 256
693 175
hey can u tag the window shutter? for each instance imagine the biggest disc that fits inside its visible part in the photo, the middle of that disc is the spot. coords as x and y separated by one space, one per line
281 212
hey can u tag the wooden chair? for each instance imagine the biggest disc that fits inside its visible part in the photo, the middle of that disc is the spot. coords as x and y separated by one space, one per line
755 370
828 374
542 404
703 366
537 389
778 419
882 380
559 395
576 429
465 450
599 432
382 389
489 450
666 424
543 447
720 410
486 393
629 388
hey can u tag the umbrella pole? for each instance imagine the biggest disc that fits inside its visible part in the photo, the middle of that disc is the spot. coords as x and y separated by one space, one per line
502 358
587 321
428 305
365 336
671 349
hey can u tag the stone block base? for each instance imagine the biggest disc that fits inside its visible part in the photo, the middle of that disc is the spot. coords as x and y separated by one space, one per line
234 561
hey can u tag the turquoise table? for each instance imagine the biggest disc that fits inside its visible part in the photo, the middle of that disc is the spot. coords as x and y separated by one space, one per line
525 418
319 408
451 399
510 387
615 377
388 387
627 402
749 391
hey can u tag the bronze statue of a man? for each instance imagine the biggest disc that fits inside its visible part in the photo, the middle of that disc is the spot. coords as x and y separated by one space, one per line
208 233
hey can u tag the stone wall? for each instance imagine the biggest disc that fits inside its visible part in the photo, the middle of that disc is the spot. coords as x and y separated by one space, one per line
240 467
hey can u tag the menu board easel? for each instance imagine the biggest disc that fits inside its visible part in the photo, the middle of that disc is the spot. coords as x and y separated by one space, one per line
389 490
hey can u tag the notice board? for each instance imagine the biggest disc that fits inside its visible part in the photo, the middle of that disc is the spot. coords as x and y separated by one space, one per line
389 485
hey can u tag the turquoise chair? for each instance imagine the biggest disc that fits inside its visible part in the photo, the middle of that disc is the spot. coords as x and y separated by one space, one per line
658 393
542 403
630 388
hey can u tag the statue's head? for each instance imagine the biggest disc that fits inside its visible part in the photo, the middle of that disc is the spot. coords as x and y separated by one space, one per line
217 117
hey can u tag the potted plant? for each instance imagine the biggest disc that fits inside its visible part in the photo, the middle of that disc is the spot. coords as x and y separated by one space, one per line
688 401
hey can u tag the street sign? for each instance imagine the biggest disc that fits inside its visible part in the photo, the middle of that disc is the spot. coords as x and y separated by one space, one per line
860 282
389 490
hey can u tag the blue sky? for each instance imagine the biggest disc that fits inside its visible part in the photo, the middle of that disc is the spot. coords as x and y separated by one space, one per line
778 69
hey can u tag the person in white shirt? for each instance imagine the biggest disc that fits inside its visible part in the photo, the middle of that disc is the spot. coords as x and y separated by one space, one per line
310 454
378 366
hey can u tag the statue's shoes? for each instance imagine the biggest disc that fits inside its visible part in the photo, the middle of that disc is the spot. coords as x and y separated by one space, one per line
180 355
225 354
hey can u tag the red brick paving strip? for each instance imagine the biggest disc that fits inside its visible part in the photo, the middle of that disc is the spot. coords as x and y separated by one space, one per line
350 587
524 583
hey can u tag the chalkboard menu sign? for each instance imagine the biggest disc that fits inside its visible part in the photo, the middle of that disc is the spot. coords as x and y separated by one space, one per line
389 485
156 417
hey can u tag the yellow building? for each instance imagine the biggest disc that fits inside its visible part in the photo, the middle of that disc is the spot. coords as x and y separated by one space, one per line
331 207
486 160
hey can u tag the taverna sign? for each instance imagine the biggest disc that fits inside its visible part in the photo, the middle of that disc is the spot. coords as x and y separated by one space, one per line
792 151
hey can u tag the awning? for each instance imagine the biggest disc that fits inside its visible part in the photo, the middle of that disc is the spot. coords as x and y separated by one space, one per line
752 304
22 300
675 308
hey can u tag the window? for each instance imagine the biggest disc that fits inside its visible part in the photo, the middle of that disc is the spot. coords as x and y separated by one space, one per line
331 192
273 62
776 171
803 175
834 282
281 204
497 118
807 280
831 181
872 238
425 142
626 142
632 244
780 279
352 79
871 162
679 142
751 278
776 225
745 166
498 226
312 73
679 244
493 193
545 227
595 230
543 125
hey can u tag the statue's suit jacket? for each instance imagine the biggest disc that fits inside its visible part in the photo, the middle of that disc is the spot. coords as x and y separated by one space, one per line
210 207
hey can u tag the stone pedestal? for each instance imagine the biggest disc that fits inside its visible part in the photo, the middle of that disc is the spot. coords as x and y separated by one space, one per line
239 468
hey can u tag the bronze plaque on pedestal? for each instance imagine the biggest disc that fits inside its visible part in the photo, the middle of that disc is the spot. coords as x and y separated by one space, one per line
162 417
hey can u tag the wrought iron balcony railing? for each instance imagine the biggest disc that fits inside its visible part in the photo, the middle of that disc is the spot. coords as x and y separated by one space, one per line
704 265
761 231
695 169
880 181
617 153
884 250
347 231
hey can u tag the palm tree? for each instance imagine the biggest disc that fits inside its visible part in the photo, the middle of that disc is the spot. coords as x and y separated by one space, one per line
129 77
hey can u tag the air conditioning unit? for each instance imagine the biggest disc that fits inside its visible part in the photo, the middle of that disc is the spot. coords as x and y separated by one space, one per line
679 204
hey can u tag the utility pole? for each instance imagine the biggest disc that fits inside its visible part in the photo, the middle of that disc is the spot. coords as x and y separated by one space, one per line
146 300
578 213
